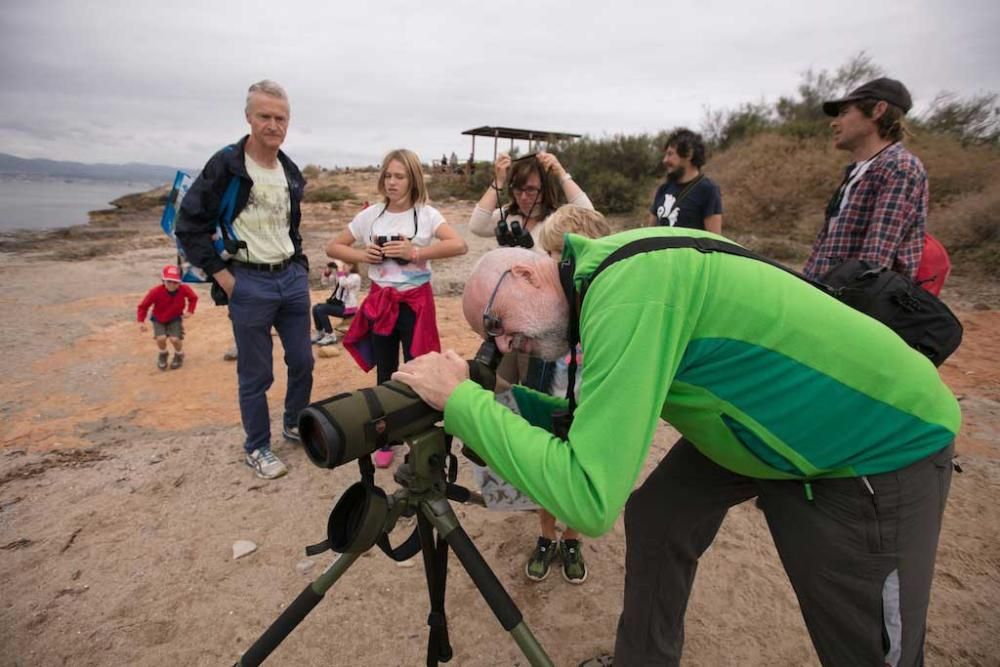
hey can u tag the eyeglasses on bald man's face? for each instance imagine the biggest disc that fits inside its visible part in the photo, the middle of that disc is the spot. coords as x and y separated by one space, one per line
493 324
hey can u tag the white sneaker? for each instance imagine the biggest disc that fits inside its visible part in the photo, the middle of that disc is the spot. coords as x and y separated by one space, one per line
317 336
327 339
265 464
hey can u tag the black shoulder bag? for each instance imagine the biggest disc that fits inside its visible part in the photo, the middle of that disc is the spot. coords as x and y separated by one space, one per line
922 320
916 315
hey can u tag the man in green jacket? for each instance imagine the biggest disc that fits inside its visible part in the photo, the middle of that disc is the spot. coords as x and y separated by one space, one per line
779 391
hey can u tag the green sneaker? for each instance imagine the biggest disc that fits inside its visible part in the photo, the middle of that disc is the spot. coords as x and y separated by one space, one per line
574 569
537 567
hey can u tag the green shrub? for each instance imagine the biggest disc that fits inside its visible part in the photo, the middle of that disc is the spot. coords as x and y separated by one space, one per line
613 193
616 172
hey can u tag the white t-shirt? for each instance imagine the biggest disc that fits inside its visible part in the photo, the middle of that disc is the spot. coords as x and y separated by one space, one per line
377 221
348 287
265 221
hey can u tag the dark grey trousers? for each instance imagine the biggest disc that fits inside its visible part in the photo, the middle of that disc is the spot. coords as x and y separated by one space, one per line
860 555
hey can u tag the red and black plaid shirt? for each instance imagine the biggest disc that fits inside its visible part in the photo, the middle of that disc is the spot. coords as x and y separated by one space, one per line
881 219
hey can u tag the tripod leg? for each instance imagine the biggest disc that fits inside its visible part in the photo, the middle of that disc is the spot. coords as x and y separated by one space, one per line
298 610
439 513
436 573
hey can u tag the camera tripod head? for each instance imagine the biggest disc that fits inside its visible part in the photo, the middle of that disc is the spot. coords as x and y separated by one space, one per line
364 512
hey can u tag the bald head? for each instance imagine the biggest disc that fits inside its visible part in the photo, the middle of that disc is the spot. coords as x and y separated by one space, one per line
529 302
485 275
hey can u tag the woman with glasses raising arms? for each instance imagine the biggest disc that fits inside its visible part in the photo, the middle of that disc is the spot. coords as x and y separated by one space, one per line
398 239
536 185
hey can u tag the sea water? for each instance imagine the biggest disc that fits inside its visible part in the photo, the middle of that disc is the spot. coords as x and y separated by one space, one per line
47 203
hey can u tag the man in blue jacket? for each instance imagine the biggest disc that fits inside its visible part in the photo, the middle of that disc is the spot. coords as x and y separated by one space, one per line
251 192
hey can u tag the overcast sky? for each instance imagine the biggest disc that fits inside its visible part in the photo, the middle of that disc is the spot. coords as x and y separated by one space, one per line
164 82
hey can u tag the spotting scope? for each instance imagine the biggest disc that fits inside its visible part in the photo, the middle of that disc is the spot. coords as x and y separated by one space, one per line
345 427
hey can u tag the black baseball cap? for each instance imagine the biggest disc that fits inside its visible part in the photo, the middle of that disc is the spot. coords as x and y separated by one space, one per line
883 88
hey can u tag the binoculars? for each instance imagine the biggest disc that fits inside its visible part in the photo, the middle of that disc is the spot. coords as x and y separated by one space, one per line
513 235
382 239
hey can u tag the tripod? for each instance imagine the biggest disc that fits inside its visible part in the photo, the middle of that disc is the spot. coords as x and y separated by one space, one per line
424 491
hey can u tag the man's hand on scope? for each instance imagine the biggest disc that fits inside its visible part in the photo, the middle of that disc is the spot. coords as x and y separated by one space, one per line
434 376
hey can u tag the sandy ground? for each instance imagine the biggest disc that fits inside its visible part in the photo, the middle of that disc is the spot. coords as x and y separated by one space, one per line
122 491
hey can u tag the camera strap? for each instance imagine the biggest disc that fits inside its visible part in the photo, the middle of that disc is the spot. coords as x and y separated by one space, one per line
380 430
411 545
435 552
372 235
683 193
515 234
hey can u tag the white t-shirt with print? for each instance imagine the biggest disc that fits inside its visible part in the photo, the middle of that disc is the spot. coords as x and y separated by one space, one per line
377 221
265 222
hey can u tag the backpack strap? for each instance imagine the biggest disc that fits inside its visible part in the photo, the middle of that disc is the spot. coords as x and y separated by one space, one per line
563 420
228 207
701 244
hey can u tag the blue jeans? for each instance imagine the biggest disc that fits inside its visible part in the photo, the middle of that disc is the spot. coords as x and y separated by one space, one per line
321 315
262 300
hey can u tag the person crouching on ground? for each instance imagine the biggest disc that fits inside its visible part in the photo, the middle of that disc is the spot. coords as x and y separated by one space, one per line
342 302
168 301
398 239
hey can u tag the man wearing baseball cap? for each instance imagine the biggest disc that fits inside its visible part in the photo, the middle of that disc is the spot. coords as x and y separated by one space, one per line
168 301
879 212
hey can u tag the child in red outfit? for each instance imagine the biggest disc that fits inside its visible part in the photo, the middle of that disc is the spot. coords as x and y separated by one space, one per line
168 301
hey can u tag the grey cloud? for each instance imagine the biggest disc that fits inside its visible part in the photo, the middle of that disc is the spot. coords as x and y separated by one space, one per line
156 82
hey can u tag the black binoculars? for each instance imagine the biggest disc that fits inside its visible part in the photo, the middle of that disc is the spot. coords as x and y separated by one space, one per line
513 235
382 239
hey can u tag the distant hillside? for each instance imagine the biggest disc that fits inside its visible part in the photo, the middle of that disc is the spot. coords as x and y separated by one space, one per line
132 171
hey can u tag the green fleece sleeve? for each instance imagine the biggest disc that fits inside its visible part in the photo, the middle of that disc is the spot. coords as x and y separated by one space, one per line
631 354
537 408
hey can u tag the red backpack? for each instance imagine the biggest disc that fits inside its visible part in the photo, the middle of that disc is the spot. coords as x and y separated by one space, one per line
934 266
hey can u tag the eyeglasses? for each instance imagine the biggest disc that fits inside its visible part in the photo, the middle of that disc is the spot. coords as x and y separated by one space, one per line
493 325
530 190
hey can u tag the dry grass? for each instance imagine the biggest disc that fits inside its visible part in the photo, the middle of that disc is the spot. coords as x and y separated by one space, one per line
955 170
969 227
770 183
